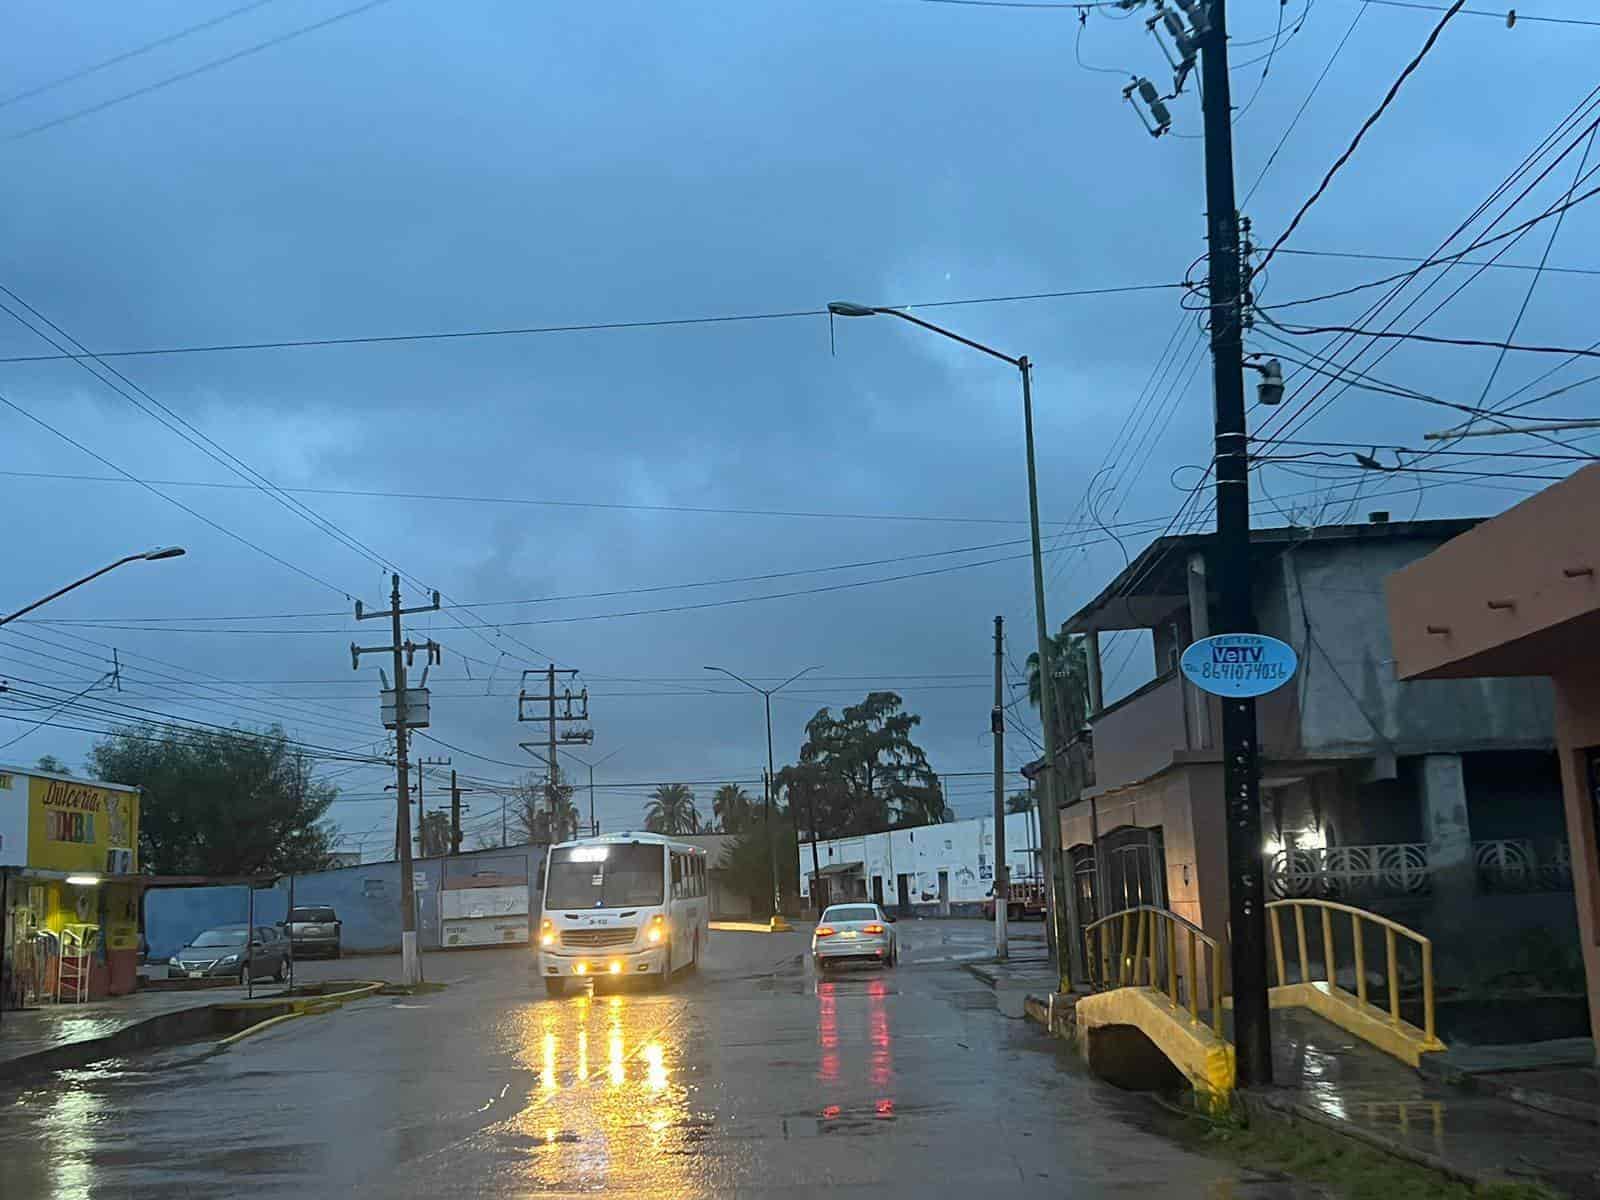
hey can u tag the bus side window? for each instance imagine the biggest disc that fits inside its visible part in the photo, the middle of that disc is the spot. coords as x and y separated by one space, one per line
700 876
677 877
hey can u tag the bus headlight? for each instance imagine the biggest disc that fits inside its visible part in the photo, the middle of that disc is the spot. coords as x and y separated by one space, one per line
547 933
657 929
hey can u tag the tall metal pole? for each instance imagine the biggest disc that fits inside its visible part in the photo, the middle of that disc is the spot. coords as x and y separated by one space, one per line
1069 954
1241 773
772 841
455 814
410 966
594 826
997 727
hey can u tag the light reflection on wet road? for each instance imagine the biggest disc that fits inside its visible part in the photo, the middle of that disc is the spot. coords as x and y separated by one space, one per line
750 1078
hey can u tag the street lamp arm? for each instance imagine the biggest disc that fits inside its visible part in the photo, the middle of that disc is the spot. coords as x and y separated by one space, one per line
740 678
793 677
150 555
842 308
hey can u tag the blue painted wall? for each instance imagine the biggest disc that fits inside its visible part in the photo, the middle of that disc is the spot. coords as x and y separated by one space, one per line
367 899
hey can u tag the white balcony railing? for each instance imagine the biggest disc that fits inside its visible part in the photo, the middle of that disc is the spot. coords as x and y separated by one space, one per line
1400 869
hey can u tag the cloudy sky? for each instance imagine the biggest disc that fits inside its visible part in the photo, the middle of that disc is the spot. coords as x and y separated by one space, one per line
413 168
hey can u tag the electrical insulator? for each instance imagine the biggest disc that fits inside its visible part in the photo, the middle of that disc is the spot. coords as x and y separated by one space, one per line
1160 119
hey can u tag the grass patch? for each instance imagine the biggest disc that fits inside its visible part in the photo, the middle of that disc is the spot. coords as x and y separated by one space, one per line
1350 1169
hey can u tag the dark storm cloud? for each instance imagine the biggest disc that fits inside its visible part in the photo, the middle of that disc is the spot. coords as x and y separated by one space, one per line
425 167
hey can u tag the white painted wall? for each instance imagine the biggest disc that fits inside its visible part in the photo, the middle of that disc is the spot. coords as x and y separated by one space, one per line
963 848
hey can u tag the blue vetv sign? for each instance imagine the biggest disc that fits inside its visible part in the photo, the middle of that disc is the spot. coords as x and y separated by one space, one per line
1239 664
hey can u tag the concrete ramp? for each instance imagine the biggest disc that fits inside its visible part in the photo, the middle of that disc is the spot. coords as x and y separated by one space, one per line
1168 1041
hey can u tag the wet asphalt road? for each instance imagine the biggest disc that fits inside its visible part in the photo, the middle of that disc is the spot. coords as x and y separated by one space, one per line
750 1078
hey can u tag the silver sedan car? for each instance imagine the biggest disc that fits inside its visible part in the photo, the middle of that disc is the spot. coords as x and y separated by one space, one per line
854 933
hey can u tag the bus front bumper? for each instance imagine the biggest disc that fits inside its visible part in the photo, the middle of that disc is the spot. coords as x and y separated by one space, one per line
602 964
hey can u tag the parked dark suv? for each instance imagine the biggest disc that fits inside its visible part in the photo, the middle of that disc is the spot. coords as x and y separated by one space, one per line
314 929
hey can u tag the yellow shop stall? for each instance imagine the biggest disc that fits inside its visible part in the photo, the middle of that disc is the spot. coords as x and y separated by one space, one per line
69 888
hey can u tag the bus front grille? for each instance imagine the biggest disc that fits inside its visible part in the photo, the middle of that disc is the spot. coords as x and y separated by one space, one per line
596 939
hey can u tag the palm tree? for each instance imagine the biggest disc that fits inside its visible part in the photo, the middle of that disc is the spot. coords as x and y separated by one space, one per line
671 810
1069 661
731 807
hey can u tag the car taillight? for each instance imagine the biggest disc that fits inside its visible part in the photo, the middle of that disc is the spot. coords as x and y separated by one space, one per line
874 929
826 931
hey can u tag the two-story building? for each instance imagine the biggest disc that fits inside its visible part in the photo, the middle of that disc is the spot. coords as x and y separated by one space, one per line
1415 799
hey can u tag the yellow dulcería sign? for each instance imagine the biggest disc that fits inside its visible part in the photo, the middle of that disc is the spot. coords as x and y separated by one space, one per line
80 826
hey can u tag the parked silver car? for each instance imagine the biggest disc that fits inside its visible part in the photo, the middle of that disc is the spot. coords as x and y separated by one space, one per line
854 933
314 929
227 950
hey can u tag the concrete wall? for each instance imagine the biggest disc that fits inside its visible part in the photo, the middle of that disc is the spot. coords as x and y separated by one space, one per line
1349 698
1136 737
964 849
366 897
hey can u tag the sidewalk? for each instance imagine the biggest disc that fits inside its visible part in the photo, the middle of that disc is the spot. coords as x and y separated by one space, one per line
1474 1132
63 1036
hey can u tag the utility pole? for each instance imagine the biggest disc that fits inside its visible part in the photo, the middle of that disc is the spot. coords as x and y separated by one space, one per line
997 727
421 811
405 719
455 814
574 737
1241 768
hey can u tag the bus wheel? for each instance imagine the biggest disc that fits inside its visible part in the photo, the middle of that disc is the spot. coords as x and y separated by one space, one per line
554 985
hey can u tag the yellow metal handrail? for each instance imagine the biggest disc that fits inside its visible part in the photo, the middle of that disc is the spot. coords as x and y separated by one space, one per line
1138 959
1392 930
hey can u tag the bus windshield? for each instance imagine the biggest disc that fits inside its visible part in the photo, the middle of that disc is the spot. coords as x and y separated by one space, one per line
614 875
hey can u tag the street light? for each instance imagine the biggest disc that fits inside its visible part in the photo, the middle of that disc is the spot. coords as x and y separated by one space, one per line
1068 951
147 556
594 826
772 847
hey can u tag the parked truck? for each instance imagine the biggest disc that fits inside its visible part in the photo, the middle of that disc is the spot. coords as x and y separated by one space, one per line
1025 902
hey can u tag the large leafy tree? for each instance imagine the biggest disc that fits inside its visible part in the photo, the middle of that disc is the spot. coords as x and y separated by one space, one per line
671 810
1069 662
224 802
545 809
733 808
1019 802
860 771
747 867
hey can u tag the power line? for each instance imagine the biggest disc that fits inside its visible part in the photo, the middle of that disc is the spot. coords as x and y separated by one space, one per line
1339 162
131 477
124 56
1486 12
1425 262
526 500
1304 104
1434 340
204 67
583 327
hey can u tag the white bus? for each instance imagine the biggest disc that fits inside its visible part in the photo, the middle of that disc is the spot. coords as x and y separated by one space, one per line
620 906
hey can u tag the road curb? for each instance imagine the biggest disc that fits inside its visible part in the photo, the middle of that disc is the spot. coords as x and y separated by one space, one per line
299 1006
